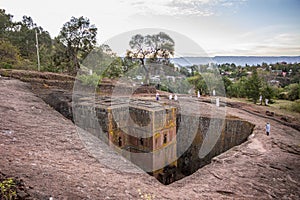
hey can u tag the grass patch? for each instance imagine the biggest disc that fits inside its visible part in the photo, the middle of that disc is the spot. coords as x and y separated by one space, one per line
280 107
292 106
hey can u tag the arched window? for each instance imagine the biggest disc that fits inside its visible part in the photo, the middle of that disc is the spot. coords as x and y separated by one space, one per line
120 141
165 138
142 141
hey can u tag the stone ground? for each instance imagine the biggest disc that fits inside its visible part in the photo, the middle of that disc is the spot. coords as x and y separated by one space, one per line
42 149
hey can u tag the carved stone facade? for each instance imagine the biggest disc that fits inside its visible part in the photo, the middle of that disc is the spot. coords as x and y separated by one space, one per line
147 133
144 132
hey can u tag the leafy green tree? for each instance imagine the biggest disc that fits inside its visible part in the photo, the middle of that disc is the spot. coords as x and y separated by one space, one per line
23 36
194 69
45 47
59 57
294 91
232 91
156 48
5 24
268 92
9 54
130 65
115 69
227 83
103 61
253 86
79 37
199 83
185 72
238 89
232 66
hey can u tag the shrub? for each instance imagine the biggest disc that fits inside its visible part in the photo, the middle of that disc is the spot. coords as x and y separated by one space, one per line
295 106
294 91
292 106
90 80
8 189
283 95
9 54
5 65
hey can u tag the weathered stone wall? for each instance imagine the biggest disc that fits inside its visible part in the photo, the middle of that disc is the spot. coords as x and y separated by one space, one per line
234 131
136 127
112 121
110 88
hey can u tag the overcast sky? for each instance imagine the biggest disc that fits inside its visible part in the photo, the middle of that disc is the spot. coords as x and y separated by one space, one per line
220 27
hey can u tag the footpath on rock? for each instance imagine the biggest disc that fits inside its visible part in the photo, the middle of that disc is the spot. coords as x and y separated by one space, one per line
40 149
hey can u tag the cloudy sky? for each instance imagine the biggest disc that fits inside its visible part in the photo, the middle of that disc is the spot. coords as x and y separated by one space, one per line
220 27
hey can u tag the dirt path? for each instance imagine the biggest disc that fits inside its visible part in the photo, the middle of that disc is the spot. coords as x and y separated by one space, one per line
41 147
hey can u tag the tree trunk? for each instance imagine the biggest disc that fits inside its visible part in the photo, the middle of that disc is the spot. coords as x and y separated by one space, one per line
147 75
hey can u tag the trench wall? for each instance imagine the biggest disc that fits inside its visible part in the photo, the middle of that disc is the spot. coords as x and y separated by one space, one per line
233 132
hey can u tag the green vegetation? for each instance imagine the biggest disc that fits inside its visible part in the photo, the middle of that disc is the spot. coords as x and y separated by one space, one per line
90 80
115 68
62 54
274 81
9 55
291 106
75 47
79 38
253 87
279 81
293 91
155 48
199 83
18 49
8 189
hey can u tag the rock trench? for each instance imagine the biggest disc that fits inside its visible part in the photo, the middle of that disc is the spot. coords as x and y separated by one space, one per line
232 130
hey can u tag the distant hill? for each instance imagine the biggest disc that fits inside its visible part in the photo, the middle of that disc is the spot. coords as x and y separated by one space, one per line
237 60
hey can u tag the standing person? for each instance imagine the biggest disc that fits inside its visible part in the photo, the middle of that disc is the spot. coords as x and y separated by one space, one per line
260 99
266 102
170 97
157 96
268 128
175 97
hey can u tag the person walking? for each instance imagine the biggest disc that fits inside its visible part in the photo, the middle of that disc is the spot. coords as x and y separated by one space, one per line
268 128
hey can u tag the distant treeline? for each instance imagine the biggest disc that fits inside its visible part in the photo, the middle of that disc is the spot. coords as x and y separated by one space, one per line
237 60
18 44
268 81
77 39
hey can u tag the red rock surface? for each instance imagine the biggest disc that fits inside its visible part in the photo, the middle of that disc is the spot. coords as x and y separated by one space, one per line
41 147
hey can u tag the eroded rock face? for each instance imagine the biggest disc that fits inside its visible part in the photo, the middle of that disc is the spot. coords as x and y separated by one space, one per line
45 151
60 101
112 118
234 132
